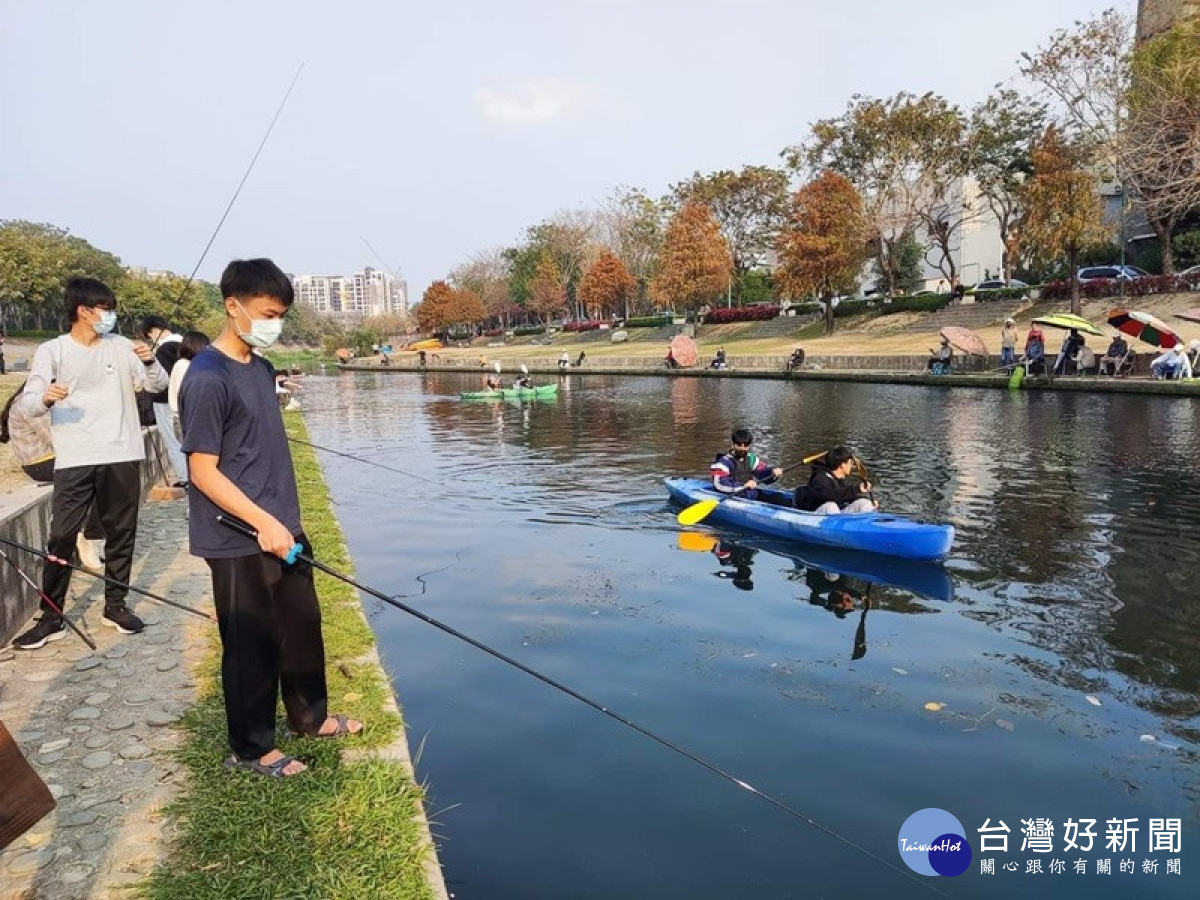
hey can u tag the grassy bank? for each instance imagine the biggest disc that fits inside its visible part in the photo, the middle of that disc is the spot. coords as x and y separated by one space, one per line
345 828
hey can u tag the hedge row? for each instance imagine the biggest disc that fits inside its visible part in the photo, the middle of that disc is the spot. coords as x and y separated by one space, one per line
585 325
649 321
525 330
724 316
1114 287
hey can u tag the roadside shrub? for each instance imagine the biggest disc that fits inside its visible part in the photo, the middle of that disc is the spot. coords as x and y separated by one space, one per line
999 294
526 330
924 303
851 308
741 314
649 321
804 309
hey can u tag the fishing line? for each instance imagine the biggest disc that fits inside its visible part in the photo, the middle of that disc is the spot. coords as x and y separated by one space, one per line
297 554
369 462
129 587
232 200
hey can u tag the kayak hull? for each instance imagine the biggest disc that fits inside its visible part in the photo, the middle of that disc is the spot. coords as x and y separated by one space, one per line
539 392
872 532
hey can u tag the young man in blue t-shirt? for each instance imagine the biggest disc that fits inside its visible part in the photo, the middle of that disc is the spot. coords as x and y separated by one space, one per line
239 464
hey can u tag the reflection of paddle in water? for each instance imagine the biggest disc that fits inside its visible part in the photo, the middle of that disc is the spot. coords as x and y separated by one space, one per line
860 634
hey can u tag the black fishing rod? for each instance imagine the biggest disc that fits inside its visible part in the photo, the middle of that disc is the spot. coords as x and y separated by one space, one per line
46 599
16 545
296 553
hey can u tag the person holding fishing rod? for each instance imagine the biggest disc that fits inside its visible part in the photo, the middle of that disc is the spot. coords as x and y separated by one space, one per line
84 381
240 465
739 470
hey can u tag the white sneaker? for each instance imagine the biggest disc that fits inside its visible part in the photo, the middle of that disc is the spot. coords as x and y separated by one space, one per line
89 553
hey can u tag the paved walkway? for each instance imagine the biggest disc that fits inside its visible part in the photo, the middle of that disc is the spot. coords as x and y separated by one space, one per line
97 726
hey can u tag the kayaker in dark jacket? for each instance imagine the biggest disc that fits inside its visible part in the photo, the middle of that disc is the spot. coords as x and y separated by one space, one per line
827 491
739 468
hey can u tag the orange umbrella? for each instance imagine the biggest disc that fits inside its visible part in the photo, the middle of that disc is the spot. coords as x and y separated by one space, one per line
964 339
685 351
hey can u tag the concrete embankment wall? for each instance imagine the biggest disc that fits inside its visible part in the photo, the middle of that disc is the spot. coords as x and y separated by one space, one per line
974 372
25 517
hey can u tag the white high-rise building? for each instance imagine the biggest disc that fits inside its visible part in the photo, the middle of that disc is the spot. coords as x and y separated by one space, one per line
353 297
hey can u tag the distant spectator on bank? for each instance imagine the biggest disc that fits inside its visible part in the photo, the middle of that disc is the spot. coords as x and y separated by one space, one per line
941 360
421 358
1008 343
720 361
1193 355
564 360
1035 352
85 381
189 348
1070 346
796 360
1114 356
672 363
165 344
1173 363
1084 361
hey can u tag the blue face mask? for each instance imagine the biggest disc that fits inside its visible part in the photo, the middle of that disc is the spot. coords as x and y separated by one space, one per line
108 321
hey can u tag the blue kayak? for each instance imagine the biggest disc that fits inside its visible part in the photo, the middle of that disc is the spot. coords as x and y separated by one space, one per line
873 532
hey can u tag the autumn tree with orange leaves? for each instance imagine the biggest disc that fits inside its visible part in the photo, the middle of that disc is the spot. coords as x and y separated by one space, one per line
430 312
607 287
547 293
822 248
694 265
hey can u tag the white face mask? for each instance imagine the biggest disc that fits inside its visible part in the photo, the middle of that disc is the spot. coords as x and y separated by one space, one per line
263 332
106 323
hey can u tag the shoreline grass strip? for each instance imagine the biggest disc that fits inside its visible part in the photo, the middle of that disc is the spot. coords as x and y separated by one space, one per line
342 829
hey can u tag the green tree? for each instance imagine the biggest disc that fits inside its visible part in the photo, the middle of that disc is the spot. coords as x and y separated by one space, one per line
182 304
750 206
907 271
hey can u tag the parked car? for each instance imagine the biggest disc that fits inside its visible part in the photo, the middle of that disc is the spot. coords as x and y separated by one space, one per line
1123 273
1193 272
997 284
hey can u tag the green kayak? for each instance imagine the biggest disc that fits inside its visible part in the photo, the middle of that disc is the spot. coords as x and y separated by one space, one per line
542 390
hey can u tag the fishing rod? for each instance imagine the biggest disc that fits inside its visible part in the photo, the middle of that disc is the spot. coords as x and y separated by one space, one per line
297 553
69 565
42 595
232 200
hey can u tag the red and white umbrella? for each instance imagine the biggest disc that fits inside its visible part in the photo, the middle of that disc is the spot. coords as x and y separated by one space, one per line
1144 327
685 351
964 339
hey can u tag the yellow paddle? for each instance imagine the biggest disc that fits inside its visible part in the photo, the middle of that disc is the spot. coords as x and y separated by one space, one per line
702 508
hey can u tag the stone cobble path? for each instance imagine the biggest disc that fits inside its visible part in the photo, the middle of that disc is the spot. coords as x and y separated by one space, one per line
97 726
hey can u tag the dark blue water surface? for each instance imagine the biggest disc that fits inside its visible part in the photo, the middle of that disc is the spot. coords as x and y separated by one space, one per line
1062 637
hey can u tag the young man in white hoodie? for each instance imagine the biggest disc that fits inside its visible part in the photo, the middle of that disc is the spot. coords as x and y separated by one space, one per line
85 380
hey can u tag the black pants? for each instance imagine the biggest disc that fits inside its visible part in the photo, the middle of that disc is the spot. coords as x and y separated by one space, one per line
114 490
270 626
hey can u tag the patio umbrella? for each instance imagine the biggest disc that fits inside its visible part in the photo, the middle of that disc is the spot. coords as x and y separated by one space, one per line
1144 327
685 351
964 339
1189 315
1067 321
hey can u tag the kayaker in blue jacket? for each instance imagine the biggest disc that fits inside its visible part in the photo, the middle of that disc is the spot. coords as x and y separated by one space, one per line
739 468
827 491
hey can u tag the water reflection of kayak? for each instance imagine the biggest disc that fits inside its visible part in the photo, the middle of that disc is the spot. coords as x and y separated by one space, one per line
874 532
924 579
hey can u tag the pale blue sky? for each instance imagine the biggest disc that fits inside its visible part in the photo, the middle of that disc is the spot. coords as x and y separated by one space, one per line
437 129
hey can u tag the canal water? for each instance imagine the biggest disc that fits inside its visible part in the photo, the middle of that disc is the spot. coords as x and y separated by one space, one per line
1050 671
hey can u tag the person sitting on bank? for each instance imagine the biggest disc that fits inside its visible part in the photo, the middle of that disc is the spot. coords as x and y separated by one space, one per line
672 363
827 492
1070 346
1035 352
1114 356
1084 361
740 471
720 360
796 360
941 359
1172 364
564 360
1193 354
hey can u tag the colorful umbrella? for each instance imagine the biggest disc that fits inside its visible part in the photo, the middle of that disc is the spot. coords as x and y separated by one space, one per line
1144 327
964 339
685 351
1067 321
1189 315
